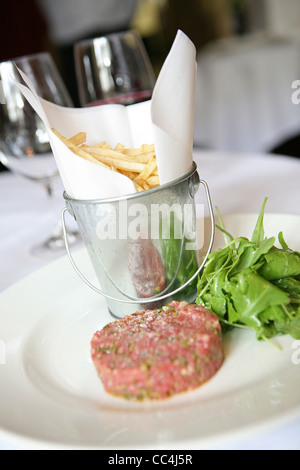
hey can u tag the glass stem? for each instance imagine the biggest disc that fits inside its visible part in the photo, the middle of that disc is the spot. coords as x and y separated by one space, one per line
57 232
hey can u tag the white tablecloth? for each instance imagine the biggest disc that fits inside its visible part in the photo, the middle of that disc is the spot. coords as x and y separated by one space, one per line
238 184
244 93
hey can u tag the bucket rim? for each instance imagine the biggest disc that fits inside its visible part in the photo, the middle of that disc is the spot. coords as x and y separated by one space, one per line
187 175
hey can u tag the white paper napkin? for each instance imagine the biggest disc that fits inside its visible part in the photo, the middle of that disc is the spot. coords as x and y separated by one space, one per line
167 121
173 109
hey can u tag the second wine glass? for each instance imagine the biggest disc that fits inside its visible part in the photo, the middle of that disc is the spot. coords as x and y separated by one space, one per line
24 142
113 69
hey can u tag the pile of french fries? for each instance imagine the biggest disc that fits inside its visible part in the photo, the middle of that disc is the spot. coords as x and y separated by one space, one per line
138 164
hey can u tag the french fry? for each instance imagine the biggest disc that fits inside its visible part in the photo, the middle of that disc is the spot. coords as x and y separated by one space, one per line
132 152
138 164
138 187
153 181
144 157
129 174
78 139
148 148
102 145
120 164
144 174
105 152
119 147
77 150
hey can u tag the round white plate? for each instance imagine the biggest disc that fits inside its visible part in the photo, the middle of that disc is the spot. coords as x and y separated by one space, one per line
51 398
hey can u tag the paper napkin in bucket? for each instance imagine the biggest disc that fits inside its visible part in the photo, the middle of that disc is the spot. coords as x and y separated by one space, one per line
167 120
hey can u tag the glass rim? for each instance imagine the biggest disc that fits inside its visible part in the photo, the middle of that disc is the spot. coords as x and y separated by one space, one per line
21 58
90 41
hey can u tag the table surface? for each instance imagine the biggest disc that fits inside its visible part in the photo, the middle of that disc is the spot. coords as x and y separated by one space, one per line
238 184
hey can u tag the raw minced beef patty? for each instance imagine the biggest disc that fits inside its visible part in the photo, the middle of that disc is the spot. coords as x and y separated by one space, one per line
155 354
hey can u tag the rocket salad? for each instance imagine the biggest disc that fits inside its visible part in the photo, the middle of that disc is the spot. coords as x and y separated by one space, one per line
251 283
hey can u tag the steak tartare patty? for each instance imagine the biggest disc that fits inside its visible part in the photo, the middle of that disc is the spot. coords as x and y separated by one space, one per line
154 354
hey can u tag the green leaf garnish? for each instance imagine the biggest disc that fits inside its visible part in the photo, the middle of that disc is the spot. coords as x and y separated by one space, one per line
250 283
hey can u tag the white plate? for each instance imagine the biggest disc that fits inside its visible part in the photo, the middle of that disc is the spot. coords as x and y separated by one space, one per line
50 396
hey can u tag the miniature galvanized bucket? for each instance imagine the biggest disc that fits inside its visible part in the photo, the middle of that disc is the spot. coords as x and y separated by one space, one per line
143 247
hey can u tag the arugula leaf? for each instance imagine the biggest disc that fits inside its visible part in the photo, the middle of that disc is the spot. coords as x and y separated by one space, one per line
280 264
290 285
259 233
180 263
290 326
252 295
250 283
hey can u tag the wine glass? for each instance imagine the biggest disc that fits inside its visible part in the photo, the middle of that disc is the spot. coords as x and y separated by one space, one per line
113 69
24 143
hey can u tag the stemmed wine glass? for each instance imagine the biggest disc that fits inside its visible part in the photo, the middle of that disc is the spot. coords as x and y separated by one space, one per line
113 69
24 143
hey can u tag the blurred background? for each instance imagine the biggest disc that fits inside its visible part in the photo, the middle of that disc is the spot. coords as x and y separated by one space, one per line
248 54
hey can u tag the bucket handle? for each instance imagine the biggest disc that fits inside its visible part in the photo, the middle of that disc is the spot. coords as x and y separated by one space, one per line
149 299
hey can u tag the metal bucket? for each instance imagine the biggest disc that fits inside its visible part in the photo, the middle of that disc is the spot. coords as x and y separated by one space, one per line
143 247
